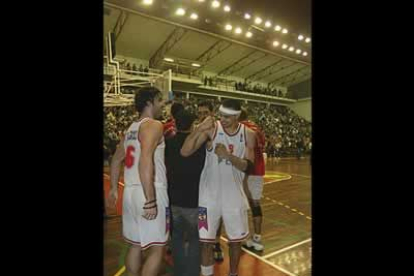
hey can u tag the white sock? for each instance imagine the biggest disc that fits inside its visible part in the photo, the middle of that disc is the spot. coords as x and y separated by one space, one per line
207 270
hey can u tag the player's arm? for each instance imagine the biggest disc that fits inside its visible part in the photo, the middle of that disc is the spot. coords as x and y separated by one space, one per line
243 164
151 133
116 163
200 134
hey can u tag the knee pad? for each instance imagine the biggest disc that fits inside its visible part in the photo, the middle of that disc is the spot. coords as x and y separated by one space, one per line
257 211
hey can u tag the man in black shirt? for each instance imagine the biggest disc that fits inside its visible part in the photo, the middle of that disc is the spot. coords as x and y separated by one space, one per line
183 175
205 109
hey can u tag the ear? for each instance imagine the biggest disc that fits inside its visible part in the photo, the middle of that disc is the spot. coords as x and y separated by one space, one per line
149 103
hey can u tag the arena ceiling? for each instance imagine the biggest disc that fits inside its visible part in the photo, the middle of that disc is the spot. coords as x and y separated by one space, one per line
145 36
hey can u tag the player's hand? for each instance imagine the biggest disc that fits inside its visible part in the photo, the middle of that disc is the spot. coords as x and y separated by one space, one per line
221 151
112 198
150 211
207 124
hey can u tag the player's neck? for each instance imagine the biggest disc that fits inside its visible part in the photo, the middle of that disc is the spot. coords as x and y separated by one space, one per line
146 114
231 129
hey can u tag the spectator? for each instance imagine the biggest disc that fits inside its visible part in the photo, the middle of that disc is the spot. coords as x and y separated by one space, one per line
299 147
183 174
141 70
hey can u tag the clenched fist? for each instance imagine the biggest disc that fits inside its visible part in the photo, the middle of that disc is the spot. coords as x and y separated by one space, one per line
221 151
207 124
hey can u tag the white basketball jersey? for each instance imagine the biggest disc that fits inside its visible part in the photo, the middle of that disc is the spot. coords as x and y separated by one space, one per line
132 156
221 184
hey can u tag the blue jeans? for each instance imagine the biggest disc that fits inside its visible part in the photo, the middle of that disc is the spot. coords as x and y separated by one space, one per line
185 229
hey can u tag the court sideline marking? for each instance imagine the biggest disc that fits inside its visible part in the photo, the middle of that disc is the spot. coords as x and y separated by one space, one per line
286 248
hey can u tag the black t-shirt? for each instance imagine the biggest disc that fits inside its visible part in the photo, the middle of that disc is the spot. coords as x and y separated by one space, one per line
183 173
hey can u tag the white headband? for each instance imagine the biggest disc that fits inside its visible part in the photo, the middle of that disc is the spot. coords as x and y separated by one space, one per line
228 111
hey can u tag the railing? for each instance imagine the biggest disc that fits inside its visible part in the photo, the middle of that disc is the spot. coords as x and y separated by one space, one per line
239 96
238 92
131 75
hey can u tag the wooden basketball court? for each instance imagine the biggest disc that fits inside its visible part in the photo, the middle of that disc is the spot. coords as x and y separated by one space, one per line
286 229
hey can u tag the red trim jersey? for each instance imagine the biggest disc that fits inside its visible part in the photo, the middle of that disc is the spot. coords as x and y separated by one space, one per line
169 129
259 163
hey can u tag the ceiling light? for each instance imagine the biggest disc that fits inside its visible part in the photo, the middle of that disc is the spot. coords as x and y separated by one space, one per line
215 4
180 12
147 2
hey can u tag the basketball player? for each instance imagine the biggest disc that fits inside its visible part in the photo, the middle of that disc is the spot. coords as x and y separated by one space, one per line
206 109
229 155
255 182
145 200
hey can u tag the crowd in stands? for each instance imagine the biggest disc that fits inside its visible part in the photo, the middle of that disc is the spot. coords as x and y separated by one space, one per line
127 66
259 89
287 134
249 87
116 121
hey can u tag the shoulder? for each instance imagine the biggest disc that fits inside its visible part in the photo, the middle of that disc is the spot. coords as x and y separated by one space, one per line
152 126
250 131
250 136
